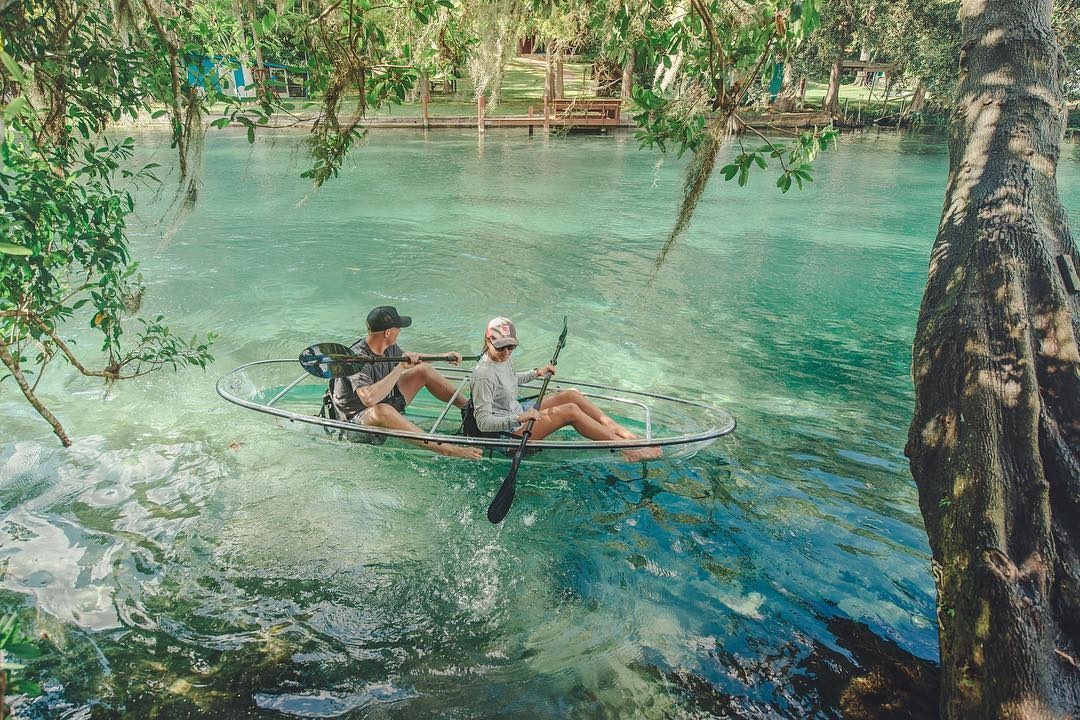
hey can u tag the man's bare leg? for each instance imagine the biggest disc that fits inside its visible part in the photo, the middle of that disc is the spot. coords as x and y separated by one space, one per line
423 376
382 415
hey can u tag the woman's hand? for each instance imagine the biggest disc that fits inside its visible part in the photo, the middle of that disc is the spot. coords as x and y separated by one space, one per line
530 414
547 369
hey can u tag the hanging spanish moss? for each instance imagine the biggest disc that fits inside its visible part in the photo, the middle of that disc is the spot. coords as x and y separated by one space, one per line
697 179
497 24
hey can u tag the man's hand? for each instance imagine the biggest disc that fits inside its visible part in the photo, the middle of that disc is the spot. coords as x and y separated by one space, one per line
530 414
541 372
454 358
411 360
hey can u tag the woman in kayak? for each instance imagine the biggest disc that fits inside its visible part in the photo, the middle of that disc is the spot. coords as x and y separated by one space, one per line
496 408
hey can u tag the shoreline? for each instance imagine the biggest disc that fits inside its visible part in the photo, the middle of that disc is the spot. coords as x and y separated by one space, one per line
787 122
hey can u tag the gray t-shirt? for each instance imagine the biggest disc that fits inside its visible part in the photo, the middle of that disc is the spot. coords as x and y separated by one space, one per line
494 394
347 403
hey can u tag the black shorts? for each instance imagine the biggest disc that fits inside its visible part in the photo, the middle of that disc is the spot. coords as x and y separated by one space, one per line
396 400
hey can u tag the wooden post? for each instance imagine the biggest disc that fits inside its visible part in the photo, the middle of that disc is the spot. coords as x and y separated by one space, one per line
481 112
530 120
425 97
546 113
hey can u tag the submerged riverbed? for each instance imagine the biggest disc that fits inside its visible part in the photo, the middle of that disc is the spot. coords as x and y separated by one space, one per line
187 558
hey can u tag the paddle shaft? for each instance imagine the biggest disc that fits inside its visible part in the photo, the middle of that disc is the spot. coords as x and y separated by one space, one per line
360 359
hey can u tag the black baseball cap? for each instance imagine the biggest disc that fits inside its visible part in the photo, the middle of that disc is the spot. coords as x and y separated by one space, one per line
385 317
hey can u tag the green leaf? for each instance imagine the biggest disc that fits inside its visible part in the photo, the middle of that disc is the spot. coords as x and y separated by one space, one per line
251 133
12 249
157 113
15 107
28 688
13 68
23 650
729 171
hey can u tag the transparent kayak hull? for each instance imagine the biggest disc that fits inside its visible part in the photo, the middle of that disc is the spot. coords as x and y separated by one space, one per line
679 427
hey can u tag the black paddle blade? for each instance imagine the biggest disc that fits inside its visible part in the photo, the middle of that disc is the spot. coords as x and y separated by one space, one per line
316 361
500 506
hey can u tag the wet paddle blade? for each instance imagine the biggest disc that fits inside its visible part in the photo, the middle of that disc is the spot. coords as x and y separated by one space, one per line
316 361
500 505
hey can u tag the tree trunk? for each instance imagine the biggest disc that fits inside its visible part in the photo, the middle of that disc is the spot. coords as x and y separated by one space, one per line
918 99
627 77
995 440
261 74
549 71
559 76
787 98
831 104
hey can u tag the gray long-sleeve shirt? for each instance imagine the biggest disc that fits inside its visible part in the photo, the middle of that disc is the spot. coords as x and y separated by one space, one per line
494 394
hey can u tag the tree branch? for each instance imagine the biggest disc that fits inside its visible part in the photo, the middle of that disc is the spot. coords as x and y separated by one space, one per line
28 392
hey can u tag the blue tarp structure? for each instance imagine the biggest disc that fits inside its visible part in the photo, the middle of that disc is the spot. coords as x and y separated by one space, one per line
218 72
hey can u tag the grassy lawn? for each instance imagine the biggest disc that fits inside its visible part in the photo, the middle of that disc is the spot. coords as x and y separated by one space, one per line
523 87
858 96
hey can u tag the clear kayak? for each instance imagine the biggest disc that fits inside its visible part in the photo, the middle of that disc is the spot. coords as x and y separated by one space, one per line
679 427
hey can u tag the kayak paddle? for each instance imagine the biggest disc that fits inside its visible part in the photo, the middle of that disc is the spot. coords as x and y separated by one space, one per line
333 360
505 497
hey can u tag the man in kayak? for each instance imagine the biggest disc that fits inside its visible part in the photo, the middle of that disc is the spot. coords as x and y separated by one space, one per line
379 393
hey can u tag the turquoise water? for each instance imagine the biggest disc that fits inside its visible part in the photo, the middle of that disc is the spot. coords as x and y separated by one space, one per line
188 559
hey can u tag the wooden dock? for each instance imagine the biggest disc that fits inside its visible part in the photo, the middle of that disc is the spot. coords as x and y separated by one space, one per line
561 114
777 122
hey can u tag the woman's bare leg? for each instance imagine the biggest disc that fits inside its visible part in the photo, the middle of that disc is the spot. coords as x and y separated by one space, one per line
574 396
569 413
561 415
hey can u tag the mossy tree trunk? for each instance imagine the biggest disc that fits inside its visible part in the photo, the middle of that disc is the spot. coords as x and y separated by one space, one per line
831 103
995 441
918 99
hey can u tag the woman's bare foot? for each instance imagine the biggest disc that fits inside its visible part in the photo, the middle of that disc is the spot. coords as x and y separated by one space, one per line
644 453
459 451
618 430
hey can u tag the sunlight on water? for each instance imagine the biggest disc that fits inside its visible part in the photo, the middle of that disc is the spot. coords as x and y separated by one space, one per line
188 558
